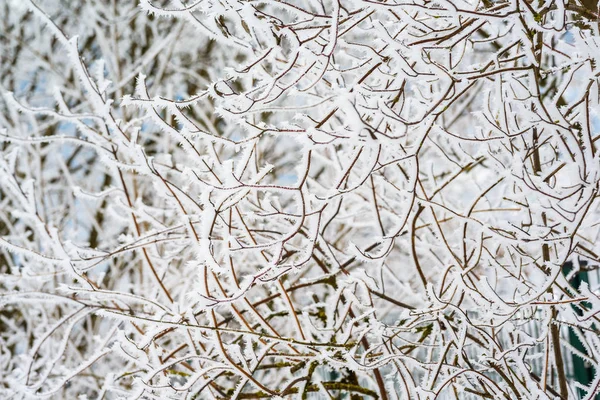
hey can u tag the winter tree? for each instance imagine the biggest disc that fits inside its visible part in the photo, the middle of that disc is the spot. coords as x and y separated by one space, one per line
299 199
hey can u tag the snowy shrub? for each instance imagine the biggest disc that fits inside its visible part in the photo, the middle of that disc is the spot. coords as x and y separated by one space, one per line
239 199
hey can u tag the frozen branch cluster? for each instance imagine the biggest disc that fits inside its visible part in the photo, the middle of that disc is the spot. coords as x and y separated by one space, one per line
298 199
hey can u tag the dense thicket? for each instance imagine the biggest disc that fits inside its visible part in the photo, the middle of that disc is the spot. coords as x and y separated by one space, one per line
302 198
